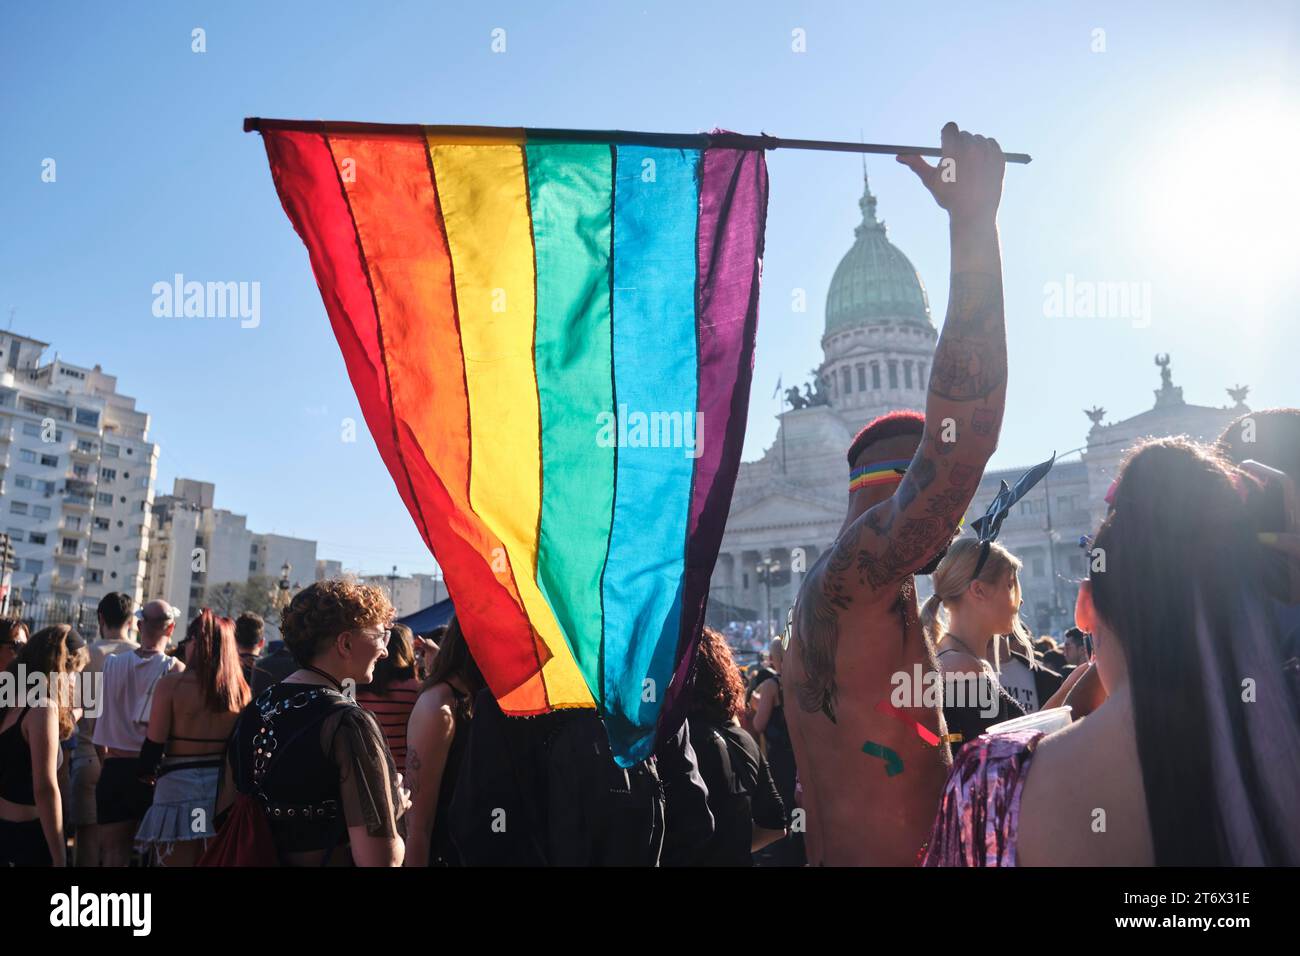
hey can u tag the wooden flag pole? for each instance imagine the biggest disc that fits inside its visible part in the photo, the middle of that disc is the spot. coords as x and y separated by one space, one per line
618 137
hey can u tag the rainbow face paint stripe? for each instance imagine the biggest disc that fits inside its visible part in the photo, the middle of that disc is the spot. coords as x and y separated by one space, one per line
505 307
878 473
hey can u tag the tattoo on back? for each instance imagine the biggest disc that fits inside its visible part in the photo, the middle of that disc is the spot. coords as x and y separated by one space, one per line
824 597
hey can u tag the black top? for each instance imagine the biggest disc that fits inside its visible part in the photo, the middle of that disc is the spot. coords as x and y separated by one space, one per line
970 720
780 751
742 792
442 850
272 669
16 784
319 763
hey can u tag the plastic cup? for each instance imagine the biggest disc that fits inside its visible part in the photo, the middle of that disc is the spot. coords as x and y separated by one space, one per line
1048 721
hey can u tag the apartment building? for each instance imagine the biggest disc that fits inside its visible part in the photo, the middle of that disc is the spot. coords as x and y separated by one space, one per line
76 479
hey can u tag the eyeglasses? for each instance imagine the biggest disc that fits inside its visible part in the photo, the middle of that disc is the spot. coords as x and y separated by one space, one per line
381 635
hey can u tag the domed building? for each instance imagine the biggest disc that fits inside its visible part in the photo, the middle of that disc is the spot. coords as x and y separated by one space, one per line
879 337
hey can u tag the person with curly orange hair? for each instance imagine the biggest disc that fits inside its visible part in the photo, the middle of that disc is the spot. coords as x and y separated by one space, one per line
314 758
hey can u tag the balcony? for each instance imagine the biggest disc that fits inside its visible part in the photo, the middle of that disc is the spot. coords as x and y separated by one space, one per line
73 500
82 454
68 531
60 583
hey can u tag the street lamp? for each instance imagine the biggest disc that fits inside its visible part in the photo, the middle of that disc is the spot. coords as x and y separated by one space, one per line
765 569
281 595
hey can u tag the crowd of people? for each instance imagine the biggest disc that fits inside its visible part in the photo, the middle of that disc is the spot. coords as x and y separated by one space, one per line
1163 730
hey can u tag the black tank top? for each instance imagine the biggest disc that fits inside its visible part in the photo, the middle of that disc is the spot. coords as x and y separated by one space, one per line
16 765
442 849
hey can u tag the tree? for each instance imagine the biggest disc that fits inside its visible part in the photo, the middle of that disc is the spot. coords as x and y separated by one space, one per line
231 599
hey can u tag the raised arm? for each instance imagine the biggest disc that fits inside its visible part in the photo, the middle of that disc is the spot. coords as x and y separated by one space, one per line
963 414
968 378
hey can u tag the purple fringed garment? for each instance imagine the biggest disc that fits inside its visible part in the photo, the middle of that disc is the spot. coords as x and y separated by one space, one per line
979 814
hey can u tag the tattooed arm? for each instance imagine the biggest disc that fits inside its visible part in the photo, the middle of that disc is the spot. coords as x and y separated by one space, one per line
963 415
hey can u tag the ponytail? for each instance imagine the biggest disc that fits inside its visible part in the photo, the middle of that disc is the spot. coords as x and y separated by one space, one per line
930 621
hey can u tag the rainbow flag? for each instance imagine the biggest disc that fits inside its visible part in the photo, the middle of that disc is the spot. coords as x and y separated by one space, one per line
552 344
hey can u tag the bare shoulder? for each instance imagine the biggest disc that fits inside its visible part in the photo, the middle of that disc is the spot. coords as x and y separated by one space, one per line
1083 802
435 701
959 662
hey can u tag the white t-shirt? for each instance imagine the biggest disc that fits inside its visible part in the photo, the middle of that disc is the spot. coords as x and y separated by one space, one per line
1018 680
129 682
100 651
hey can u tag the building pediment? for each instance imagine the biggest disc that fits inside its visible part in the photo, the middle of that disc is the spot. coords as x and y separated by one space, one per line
782 508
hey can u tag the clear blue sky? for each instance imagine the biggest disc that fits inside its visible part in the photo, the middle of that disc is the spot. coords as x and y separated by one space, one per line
1169 158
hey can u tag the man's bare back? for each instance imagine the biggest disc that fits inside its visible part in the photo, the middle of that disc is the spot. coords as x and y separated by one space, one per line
855 624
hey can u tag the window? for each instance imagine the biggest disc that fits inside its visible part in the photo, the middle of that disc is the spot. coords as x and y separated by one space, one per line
22 481
88 417
907 374
81 471
72 522
85 445
745 580
37 537
112 451
45 487
920 374
50 461
108 474
252 565
104 498
33 566
846 383
1038 567
69 546
862 378
40 511
102 524
67 572
18 507
27 455
875 375
32 429
98 548
94 576
15 534
893 374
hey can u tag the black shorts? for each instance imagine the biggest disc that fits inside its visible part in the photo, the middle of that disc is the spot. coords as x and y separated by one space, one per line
120 795
23 844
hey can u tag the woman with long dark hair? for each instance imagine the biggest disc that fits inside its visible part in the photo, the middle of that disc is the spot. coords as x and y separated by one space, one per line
1193 759
32 726
748 813
435 742
190 721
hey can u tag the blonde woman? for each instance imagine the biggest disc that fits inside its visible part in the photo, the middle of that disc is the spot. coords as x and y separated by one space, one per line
970 621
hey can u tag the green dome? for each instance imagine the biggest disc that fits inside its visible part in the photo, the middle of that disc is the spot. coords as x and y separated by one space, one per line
874 282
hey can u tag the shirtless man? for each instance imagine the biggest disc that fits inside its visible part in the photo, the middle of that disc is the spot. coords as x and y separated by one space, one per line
855 623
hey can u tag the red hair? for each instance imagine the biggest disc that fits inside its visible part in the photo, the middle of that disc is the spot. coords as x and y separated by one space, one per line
214 659
889 425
